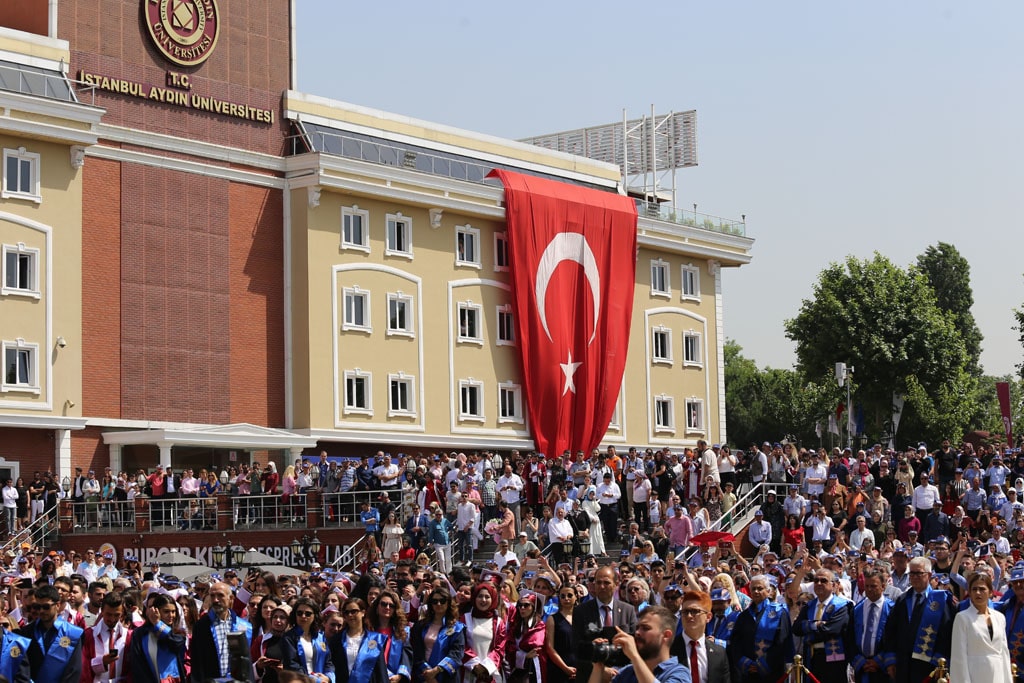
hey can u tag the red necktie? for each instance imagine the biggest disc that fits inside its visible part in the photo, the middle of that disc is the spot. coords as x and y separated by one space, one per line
607 615
113 665
694 666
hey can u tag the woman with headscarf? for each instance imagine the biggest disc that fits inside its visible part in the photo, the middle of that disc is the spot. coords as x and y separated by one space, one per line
524 648
272 652
438 641
388 619
485 638
593 510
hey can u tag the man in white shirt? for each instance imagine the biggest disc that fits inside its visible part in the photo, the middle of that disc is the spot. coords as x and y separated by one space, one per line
925 496
91 491
88 567
503 555
510 486
815 478
107 569
104 645
466 519
708 465
10 497
760 532
821 524
386 472
608 495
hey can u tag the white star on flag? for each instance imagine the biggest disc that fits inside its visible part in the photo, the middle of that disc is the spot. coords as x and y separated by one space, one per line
569 369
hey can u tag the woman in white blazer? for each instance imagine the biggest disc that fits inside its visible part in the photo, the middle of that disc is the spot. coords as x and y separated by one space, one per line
980 653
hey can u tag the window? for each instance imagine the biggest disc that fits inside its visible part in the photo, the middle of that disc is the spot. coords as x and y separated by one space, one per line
510 403
20 369
21 275
399 236
664 419
357 309
400 315
692 349
694 415
469 323
354 222
506 326
21 175
471 404
357 392
691 282
467 246
659 278
500 251
401 400
616 422
661 345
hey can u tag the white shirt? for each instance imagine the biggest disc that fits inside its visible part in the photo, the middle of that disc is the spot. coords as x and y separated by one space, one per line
88 570
466 516
702 658
709 466
91 487
925 496
794 505
816 472
608 494
502 559
509 487
388 474
560 530
10 494
878 618
821 527
642 490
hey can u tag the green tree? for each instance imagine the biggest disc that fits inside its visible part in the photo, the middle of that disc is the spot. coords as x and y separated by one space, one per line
886 322
949 275
770 404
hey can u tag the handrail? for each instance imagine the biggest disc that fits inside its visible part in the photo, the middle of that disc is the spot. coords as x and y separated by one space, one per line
349 554
35 533
740 514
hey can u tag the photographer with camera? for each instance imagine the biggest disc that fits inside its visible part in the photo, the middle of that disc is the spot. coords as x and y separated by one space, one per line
648 653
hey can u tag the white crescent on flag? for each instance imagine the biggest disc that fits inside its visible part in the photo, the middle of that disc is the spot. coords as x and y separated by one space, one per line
567 246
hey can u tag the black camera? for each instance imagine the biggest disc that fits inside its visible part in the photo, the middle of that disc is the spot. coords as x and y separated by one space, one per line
609 655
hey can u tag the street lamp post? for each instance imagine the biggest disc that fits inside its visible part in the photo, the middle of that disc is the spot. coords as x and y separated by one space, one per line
844 373
223 556
306 548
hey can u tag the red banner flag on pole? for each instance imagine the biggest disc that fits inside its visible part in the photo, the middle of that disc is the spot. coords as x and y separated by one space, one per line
572 264
1003 392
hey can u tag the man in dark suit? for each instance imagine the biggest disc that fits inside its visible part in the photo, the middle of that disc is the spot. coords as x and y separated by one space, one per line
919 629
598 618
209 647
156 638
826 624
693 648
869 619
762 643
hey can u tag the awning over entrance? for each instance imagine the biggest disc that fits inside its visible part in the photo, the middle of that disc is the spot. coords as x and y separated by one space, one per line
243 436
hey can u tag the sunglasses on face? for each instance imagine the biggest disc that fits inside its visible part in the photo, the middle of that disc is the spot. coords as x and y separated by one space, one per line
351 612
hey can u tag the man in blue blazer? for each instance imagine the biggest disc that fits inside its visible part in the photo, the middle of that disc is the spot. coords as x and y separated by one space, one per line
209 647
55 653
919 629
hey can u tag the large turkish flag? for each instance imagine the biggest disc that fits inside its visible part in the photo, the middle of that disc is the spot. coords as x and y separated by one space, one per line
572 253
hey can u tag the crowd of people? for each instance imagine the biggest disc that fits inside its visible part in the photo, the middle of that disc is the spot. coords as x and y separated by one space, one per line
875 565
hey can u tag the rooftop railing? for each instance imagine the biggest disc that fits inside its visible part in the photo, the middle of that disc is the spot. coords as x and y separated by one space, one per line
692 219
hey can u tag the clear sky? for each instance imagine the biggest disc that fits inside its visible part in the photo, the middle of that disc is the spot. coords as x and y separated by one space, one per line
837 128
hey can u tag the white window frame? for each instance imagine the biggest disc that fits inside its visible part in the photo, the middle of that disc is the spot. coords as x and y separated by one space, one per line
698 347
34 194
463 232
501 252
396 219
515 391
478 387
364 216
505 314
364 294
699 427
21 250
20 346
692 271
477 311
406 301
350 407
666 335
409 382
616 420
661 266
664 423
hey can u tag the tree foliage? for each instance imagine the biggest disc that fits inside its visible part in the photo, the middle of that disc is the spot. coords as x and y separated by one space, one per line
949 275
887 323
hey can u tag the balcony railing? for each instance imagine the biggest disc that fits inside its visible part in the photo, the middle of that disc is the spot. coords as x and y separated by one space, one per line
692 219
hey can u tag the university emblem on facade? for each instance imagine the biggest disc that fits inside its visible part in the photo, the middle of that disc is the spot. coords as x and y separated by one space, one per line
185 31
